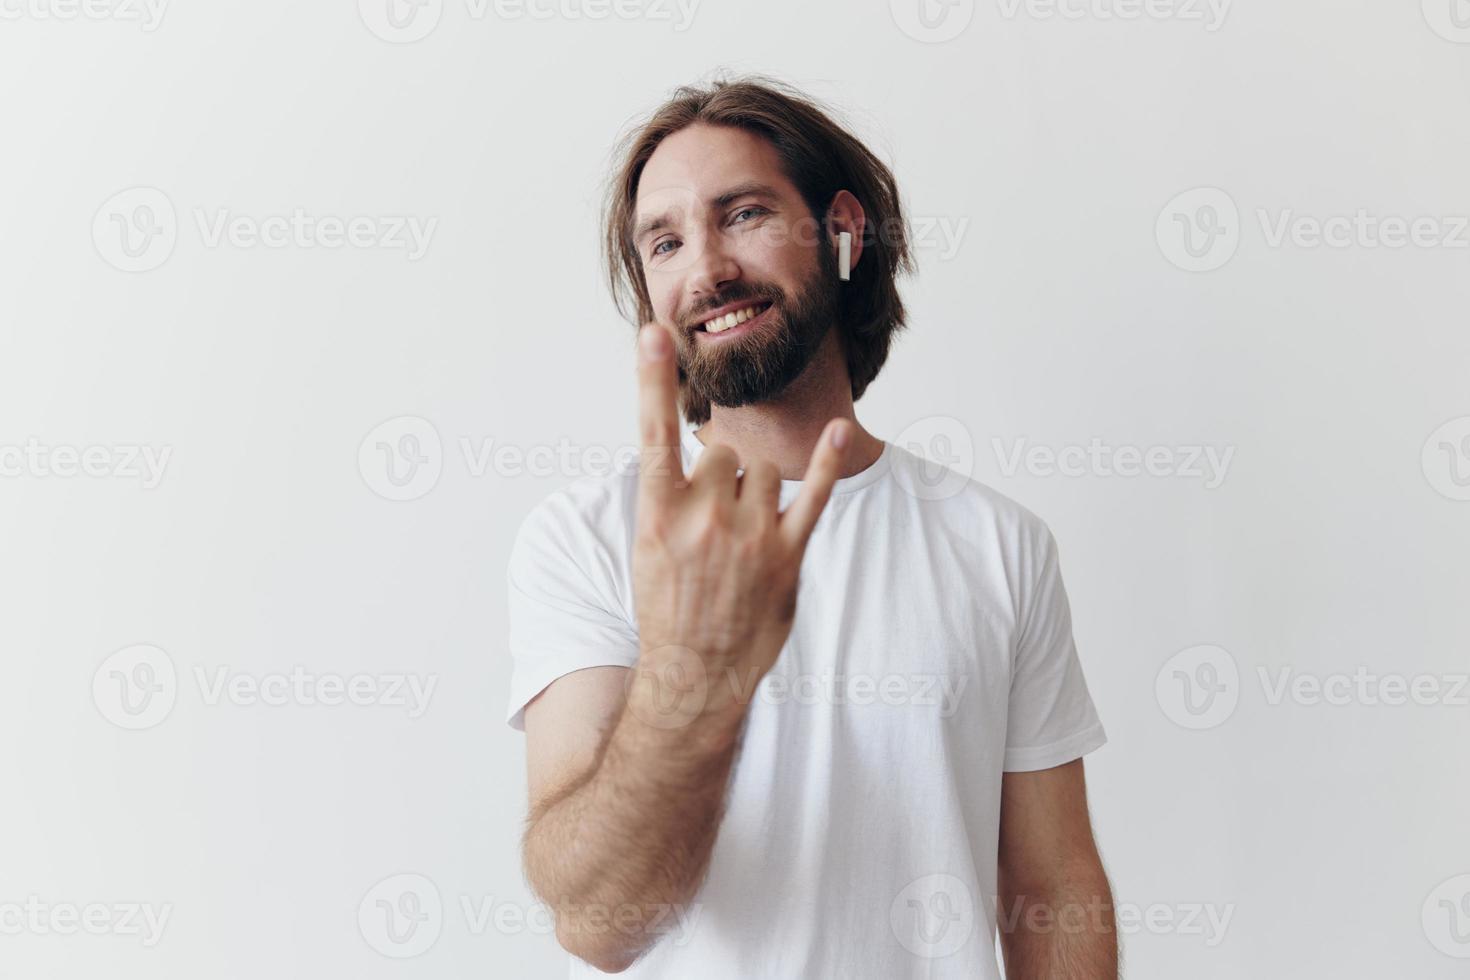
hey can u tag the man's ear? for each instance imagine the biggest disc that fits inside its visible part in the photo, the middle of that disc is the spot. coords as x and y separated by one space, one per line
845 214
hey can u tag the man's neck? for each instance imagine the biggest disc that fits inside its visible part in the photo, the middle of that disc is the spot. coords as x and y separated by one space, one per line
785 429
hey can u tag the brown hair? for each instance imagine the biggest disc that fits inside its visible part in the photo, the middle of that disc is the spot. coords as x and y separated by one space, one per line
820 158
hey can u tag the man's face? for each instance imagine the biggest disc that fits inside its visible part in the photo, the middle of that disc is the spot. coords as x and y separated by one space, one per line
733 235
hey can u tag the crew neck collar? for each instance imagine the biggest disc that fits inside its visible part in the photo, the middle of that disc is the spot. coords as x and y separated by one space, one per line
874 472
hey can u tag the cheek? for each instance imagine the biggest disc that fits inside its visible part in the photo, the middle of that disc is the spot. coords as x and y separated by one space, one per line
769 250
670 309
663 298
780 260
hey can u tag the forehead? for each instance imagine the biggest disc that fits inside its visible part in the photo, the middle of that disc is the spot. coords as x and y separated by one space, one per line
700 162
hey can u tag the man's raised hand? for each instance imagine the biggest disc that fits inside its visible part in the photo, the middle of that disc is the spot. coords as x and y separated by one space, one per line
715 562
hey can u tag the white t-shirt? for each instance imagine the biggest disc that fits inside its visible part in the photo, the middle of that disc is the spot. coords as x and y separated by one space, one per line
931 651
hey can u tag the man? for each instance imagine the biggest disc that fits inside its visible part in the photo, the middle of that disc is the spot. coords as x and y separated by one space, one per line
738 771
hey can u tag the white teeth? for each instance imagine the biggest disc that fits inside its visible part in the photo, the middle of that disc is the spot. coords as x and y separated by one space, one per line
722 323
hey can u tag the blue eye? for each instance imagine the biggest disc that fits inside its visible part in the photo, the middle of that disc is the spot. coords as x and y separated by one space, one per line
754 208
666 241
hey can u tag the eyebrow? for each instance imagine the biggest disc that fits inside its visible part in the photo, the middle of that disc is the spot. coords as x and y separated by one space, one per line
658 222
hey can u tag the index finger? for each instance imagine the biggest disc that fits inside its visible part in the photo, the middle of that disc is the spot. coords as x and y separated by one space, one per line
658 426
798 520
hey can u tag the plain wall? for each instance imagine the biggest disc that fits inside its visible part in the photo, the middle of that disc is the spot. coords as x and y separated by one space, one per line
1050 163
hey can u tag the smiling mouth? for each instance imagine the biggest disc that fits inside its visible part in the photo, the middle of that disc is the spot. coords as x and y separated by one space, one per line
734 319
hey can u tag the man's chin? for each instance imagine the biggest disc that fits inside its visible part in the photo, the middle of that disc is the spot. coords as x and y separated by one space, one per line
732 385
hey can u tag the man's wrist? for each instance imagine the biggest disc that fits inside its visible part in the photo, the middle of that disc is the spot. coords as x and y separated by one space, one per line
676 702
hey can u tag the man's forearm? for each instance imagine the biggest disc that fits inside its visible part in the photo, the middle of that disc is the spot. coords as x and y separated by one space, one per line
1060 931
635 833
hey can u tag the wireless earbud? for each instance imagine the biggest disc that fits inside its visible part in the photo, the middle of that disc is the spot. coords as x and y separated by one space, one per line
844 255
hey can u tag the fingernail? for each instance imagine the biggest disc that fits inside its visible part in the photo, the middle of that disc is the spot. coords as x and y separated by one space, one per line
839 435
654 343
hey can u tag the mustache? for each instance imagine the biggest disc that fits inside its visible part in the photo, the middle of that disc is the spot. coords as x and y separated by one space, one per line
759 295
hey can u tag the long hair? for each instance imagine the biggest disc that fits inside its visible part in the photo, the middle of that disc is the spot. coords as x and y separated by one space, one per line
820 158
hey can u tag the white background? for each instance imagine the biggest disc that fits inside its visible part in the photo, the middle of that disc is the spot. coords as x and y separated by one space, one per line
1053 142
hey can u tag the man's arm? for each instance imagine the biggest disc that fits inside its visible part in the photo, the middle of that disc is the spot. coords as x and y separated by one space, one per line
631 823
1055 907
623 813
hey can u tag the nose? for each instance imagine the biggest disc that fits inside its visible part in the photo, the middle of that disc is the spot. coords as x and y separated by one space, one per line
712 269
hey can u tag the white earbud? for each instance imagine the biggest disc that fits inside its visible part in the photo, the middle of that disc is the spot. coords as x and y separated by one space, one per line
844 255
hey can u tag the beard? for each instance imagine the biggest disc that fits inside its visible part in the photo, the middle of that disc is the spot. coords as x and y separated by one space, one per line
759 366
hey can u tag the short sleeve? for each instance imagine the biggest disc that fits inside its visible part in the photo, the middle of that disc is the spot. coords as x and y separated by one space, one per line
1051 718
562 603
